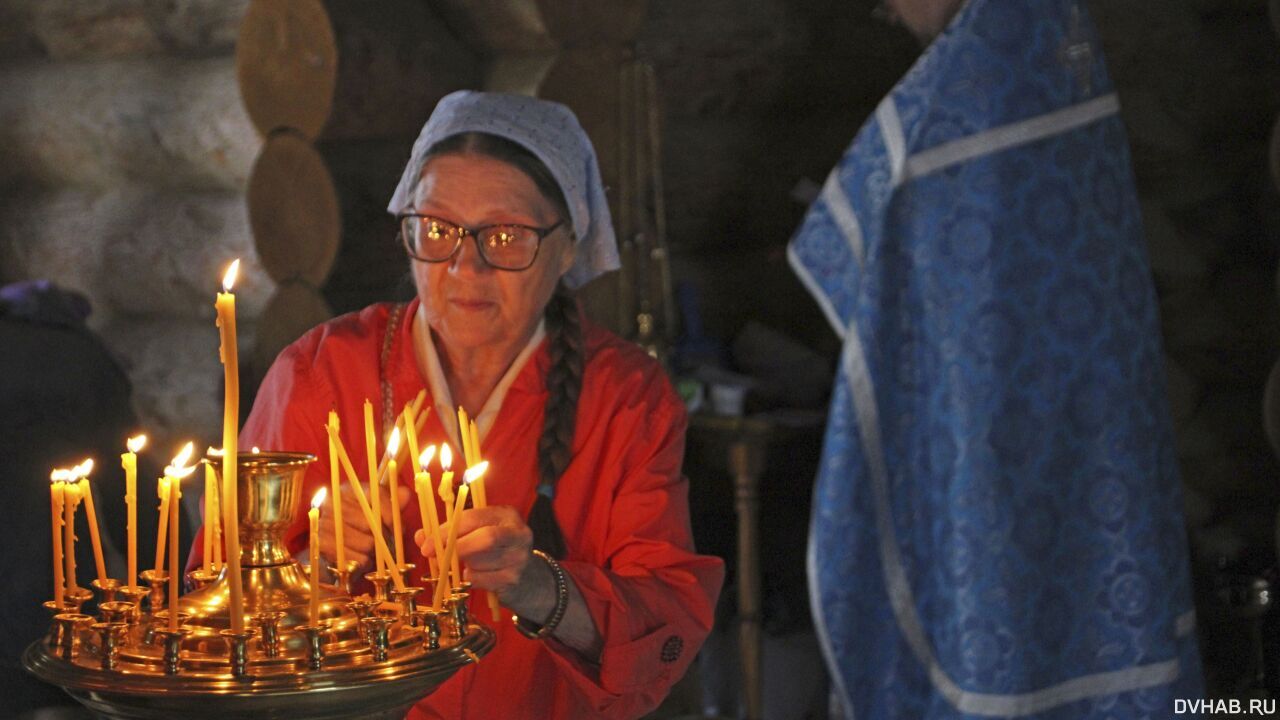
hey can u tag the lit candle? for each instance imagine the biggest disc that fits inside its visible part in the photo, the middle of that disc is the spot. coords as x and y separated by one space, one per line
335 481
226 307
162 532
314 516
446 496
214 509
478 499
451 549
174 475
379 542
393 444
70 496
56 487
82 471
468 456
427 509
371 452
129 461
210 489
422 420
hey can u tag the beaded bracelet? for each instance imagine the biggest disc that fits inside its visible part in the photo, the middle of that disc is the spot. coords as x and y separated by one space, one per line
533 631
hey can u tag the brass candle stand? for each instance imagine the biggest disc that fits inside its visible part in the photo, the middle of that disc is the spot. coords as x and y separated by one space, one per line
363 659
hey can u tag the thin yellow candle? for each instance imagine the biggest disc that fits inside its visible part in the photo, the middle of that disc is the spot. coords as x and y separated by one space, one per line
82 471
335 482
371 453
480 501
446 495
56 493
129 461
70 496
175 474
406 420
314 516
393 444
421 422
468 457
427 509
209 490
214 499
162 489
226 307
451 549
379 542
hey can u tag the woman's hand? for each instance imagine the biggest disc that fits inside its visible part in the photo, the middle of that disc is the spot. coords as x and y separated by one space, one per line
495 545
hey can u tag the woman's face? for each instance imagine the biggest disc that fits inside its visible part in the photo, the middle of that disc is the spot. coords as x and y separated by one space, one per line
469 304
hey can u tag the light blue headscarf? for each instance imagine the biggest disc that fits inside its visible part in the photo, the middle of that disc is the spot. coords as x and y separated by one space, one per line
552 133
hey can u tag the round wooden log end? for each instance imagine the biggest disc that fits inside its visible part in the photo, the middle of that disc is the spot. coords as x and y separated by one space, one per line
287 62
293 210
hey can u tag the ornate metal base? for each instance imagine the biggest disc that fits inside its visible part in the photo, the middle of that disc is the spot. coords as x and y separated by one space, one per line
374 664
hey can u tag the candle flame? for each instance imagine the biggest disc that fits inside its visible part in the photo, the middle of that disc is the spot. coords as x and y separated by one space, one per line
82 470
475 472
136 443
176 473
318 499
393 443
446 457
183 455
255 450
59 475
214 452
229 279
425 458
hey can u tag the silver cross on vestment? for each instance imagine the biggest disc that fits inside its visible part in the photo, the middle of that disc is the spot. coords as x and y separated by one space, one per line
1076 53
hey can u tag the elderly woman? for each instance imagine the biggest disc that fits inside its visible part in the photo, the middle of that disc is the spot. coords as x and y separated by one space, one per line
502 213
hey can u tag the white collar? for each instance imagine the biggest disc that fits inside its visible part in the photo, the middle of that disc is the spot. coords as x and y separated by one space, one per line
430 368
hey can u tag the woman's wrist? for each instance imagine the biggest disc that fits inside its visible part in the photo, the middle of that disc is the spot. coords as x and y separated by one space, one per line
534 596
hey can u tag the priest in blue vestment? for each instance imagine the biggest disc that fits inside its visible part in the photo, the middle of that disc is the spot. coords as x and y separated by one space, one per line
997 526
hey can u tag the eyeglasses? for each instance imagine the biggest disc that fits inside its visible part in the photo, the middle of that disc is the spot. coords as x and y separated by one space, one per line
505 247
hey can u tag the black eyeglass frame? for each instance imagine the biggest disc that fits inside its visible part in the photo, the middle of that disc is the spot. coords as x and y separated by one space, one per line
475 232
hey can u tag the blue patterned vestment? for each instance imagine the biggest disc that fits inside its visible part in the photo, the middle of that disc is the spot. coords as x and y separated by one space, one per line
997 525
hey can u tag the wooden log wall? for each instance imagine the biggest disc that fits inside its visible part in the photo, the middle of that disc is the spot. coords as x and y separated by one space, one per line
340 91
126 155
582 53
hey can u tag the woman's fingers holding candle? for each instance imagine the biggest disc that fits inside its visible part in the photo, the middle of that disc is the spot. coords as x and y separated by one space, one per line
494 543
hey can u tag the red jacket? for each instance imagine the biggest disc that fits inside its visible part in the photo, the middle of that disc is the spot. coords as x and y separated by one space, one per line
622 504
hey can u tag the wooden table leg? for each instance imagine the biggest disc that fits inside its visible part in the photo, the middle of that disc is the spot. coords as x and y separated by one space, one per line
744 459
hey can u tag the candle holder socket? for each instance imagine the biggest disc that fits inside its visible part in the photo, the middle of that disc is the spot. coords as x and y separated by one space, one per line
115 611
456 606
158 582
172 643
109 636
54 636
342 575
238 650
315 644
407 599
160 622
268 624
379 580
378 631
199 579
429 621
107 589
68 640
77 598
134 595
